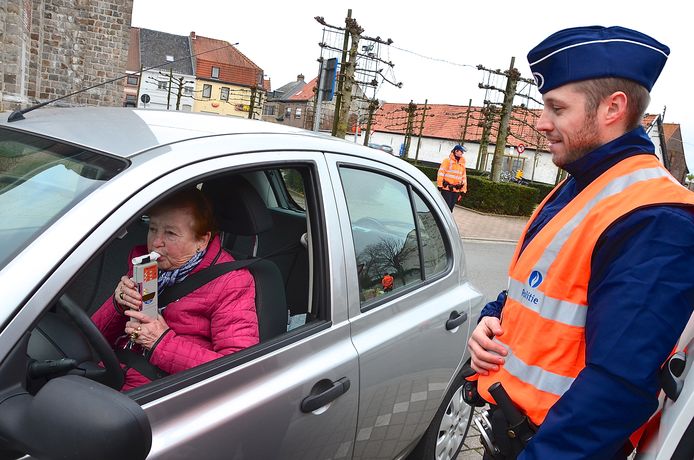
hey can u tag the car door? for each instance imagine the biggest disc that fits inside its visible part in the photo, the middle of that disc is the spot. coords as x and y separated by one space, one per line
293 397
411 337
254 410
672 437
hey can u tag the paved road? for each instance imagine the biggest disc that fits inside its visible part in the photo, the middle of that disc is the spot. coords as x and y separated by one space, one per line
487 264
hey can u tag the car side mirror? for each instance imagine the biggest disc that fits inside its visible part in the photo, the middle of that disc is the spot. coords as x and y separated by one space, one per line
71 417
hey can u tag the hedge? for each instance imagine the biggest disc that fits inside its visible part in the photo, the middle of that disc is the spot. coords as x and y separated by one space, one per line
507 198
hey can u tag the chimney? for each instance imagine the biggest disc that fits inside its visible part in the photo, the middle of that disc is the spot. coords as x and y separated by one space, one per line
192 35
300 77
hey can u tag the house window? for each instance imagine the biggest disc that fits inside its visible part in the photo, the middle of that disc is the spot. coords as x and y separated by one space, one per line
215 72
288 113
268 109
130 100
162 85
188 90
186 108
133 79
207 91
224 94
297 113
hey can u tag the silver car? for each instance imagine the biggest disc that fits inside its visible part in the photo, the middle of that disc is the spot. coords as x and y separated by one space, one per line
344 369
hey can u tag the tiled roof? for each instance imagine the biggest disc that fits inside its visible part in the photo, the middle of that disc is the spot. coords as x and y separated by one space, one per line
155 46
669 129
133 64
221 51
284 93
444 121
234 66
266 85
306 93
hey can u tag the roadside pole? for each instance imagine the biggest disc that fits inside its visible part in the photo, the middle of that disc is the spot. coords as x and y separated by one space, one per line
319 96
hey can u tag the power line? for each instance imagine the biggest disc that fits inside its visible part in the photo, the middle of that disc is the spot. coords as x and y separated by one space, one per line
431 58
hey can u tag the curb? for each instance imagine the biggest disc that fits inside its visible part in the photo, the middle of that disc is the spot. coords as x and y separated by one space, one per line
488 240
490 214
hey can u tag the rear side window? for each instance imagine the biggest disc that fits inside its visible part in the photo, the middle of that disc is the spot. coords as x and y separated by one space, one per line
397 240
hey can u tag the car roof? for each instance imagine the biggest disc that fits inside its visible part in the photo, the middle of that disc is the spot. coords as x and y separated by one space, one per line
127 131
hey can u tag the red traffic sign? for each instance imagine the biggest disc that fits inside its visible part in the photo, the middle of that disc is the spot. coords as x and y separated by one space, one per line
520 148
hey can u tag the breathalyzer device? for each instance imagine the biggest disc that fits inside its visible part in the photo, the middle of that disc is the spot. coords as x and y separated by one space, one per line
145 276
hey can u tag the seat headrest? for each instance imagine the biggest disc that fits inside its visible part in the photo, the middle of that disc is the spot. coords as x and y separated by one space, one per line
238 208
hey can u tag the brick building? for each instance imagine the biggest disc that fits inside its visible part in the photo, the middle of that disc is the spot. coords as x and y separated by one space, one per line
226 81
54 47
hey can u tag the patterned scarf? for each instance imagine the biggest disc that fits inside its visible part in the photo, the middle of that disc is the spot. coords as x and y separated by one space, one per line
171 277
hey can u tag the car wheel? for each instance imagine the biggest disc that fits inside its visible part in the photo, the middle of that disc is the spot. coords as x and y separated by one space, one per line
447 431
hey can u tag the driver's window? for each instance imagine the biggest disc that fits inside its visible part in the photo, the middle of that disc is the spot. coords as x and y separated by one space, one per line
385 236
233 309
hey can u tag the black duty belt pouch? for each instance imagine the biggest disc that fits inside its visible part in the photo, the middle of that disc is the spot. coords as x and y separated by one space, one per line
509 447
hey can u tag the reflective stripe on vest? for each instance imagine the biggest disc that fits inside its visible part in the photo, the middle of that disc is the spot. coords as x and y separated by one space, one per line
452 172
545 313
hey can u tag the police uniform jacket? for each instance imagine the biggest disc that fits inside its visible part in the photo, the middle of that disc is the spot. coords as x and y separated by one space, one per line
640 295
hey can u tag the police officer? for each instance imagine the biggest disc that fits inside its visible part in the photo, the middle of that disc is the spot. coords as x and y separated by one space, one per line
602 281
451 178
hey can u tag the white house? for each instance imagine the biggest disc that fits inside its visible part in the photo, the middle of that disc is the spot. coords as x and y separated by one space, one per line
447 125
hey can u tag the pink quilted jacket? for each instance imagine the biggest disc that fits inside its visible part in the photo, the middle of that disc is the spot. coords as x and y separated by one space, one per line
217 319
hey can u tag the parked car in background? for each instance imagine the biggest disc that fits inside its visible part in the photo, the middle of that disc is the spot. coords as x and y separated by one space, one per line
345 368
384 147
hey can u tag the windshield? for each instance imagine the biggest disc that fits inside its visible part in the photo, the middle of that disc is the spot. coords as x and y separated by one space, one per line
40 180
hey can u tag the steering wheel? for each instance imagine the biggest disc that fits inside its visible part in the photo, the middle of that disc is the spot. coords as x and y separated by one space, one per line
112 374
370 222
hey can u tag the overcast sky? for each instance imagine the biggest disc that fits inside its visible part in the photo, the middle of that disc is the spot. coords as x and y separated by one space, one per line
437 44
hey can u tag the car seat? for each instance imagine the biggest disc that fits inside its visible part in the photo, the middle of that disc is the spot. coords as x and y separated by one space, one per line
240 212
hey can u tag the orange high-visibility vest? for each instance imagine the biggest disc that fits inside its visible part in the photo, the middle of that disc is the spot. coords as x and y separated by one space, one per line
545 312
452 171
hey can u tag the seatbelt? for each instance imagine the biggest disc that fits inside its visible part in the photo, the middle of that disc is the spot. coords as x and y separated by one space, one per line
173 294
198 279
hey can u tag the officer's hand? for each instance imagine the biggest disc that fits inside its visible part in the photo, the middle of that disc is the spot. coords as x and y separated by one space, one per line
446 184
486 354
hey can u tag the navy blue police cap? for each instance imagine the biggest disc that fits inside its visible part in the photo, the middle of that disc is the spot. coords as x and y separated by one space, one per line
459 147
584 53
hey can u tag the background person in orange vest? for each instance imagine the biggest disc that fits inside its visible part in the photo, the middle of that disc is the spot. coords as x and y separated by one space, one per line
451 178
601 284
387 282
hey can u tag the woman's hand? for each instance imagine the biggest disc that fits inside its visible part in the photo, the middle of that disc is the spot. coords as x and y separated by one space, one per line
126 295
486 354
145 331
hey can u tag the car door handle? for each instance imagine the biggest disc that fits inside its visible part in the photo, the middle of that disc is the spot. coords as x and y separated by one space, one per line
455 320
324 392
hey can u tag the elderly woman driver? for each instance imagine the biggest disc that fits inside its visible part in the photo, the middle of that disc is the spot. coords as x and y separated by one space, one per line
216 319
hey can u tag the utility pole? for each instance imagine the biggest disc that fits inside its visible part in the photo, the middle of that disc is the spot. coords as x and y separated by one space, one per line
251 109
354 30
179 93
411 109
488 113
421 128
505 110
463 134
168 93
358 71
373 105
139 85
511 82
341 75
